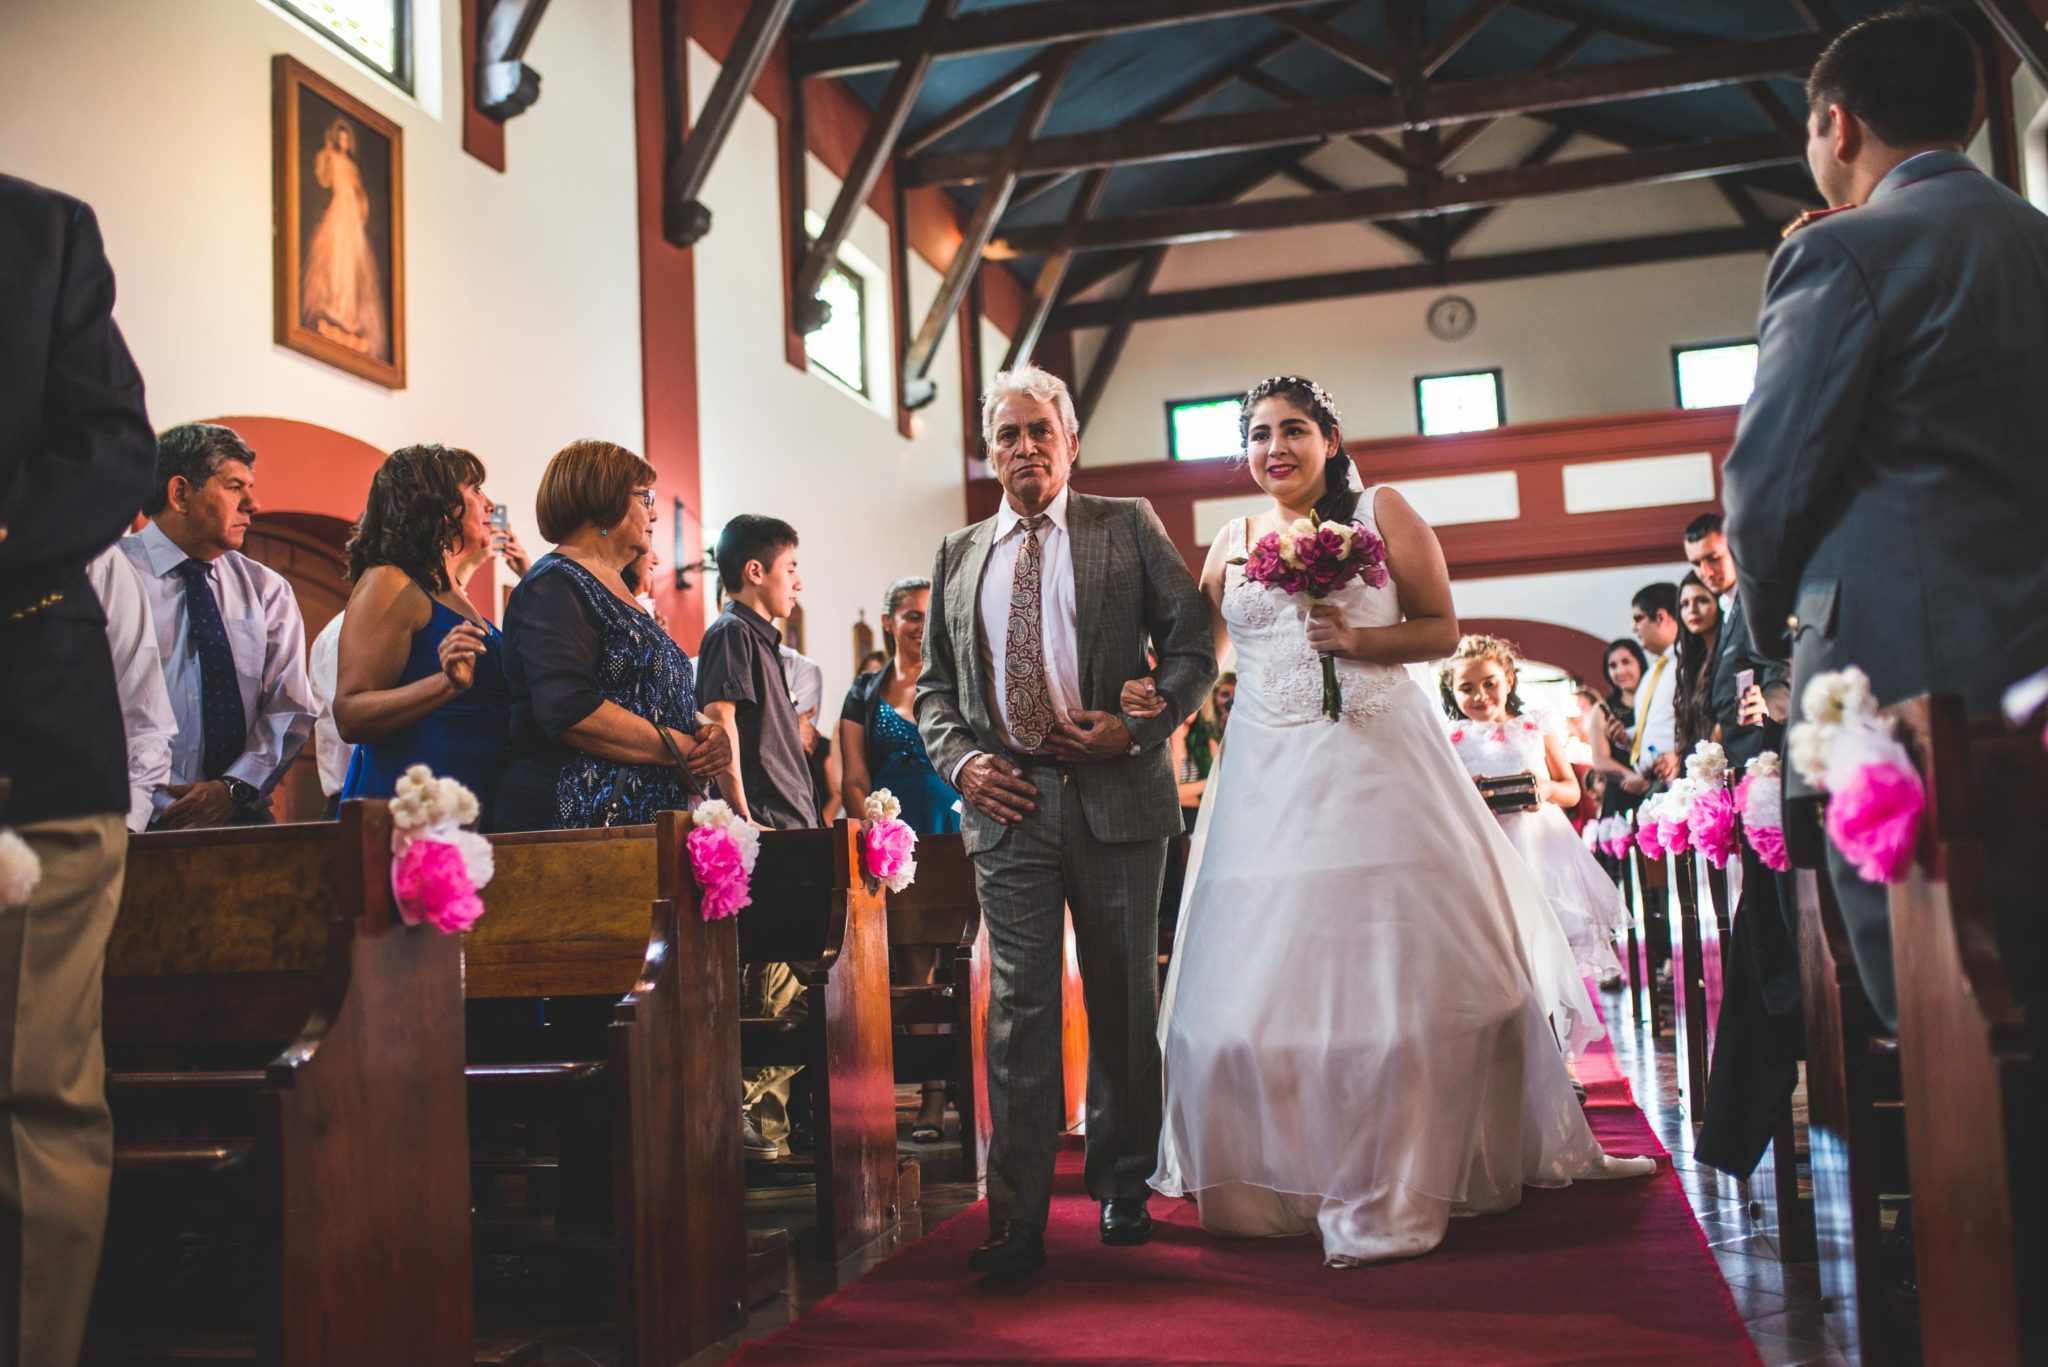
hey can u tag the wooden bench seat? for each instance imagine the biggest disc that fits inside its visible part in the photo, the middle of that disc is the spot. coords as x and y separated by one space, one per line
280 1042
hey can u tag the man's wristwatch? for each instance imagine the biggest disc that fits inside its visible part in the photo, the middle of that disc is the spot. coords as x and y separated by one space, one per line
245 797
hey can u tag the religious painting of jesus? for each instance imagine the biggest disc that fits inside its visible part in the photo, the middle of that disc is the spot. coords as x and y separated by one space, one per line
340 279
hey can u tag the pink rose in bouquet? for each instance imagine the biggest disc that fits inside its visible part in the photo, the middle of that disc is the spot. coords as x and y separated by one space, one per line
1314 558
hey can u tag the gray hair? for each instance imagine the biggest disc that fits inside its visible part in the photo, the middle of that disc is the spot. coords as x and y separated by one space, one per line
901 590
1027 381
194 451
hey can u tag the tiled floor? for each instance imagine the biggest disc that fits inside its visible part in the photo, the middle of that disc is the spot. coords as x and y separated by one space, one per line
1779 1301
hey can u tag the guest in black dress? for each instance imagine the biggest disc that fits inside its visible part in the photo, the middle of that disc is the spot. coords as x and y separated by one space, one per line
1622 788
596 683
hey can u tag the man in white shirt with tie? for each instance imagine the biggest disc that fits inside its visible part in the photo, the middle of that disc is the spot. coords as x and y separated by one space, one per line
229 631
146 714
1038 616
1654 618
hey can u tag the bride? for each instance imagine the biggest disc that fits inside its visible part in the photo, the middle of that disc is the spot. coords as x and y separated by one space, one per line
1369 994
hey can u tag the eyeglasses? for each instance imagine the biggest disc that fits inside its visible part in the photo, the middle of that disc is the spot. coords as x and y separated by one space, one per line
646 497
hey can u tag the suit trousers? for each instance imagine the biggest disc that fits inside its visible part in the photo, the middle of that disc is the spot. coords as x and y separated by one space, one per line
1867 915
1760 1035
1047 863
56 1136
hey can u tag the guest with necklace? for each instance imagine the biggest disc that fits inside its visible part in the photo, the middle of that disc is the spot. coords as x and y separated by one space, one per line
604 701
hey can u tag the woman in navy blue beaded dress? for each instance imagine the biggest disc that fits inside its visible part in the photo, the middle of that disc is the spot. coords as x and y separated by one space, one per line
879 747
599 690
420 676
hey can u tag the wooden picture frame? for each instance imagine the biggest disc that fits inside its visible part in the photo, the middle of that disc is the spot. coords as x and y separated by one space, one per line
339 226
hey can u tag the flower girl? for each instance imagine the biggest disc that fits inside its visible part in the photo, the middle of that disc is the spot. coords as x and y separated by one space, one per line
1496 738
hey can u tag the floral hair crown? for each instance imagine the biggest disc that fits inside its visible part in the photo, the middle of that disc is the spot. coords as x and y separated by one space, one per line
1321 405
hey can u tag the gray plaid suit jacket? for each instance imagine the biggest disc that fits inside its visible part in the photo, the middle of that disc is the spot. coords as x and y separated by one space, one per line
1131 590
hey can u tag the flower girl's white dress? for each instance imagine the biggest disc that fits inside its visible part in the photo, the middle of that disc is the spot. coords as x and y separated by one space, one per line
1355 1028
1587 903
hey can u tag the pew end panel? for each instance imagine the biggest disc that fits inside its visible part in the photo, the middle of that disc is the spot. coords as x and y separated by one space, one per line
1965 924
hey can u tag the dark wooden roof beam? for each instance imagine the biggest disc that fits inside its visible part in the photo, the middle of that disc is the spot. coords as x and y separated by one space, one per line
968 110
866 169
1463 30
918 389
684 217
1351 51
505 84
2022 32
1123 314
1033 25
1437 103
1052 272
828 16
1289 94
1517 265
1164 227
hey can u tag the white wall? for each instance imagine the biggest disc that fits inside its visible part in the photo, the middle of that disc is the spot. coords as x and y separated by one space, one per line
1593 601
869 505
1569 346
523 313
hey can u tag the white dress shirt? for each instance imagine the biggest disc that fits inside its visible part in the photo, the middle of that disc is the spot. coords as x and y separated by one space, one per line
1059 630
139 678
268 639
806 680
329 748
1657 716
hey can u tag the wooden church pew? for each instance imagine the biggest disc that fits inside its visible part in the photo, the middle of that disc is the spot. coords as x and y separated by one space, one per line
1689 1012
1651 942
285 1053
614 913
1855 1131
1966 935
940 909
813 910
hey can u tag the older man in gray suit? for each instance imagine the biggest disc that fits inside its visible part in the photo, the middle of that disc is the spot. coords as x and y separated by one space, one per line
1888 487
1038 617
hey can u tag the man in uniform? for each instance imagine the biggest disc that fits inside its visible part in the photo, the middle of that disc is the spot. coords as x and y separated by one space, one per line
1887 488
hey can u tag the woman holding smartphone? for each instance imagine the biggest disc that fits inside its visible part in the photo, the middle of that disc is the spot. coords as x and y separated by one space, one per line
419 679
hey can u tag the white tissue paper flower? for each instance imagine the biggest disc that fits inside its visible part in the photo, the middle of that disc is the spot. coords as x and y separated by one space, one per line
1765 765
20 869
883 806
1706 763
1838 696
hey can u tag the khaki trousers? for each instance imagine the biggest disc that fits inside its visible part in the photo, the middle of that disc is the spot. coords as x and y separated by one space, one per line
770 990
56 1137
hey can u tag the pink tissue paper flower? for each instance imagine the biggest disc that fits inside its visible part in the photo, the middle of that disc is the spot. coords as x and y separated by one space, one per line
432 884
1647 842
1673 834
721 872
1874 820
1712 826
888 848
1769 844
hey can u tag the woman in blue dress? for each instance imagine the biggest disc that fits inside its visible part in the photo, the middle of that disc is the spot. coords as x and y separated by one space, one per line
604 701
879 747
420 676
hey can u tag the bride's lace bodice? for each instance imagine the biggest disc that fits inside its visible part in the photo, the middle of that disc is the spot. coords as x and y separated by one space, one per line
1279 678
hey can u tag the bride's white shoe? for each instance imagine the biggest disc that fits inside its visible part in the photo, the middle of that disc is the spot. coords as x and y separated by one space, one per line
1613 1168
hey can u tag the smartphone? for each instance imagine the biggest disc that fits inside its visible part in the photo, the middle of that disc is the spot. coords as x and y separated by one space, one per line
1745 679
501 517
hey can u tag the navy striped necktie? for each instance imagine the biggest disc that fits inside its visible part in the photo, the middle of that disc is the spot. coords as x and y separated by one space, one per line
223 723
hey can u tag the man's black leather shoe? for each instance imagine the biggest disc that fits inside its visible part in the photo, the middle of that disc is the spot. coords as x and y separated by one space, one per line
1125 1220
1015 1250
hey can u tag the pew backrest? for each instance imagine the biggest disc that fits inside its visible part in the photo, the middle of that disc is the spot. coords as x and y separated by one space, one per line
941 906
568 914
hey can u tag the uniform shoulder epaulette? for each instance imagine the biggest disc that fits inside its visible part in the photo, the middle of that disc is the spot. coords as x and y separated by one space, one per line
1813 216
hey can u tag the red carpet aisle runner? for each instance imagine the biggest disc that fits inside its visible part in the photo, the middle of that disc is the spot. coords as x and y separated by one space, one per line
1603 1272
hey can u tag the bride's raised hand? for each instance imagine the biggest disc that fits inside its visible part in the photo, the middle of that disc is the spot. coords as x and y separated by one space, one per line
1140 698
1329 633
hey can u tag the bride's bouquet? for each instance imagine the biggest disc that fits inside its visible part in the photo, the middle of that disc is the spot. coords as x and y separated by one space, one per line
1314 558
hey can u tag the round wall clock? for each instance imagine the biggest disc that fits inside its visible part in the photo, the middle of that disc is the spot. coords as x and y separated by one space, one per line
1452 317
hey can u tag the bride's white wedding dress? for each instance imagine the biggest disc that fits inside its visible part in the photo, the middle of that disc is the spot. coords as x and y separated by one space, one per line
1368 991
